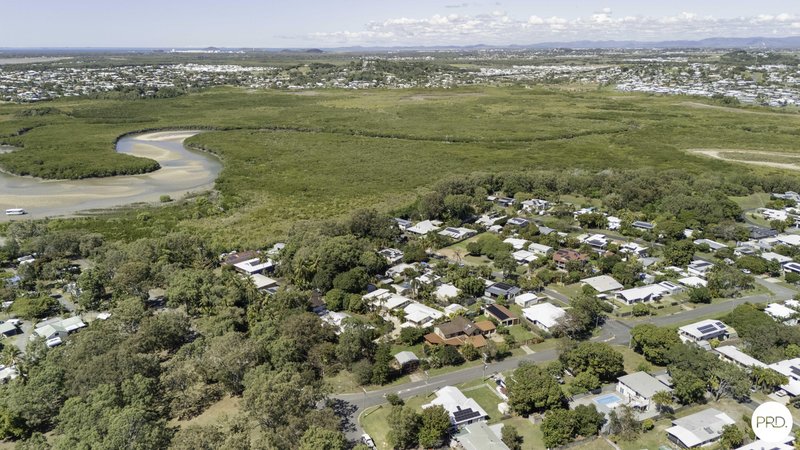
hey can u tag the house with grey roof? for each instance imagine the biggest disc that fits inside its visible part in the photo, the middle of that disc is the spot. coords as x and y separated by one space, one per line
639 388
702 428
480 436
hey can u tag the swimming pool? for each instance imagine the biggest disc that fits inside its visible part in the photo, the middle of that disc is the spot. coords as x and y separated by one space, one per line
608 400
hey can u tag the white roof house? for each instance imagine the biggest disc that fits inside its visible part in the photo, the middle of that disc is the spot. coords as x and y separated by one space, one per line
789 239
763 445
527 299
699 268
425 227
254 265
458 233
454 309
790 368
421 315
544 315
769 256
336 319
642 293
781 313
705 330
640 387
634 249
524 256
480 436
713 245
262 281
732 354
399 269
603 283
700 428
462 410
693 282
518 244
446 291
71 324
540 249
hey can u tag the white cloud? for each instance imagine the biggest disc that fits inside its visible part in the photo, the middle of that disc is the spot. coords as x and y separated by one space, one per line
497 27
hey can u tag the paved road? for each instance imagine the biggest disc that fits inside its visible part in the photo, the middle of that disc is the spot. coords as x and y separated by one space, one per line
613 331
556 295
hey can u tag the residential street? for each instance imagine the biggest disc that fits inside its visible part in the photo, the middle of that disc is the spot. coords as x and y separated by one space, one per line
614 331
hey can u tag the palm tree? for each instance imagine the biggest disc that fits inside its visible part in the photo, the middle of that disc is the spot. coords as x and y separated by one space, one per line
663 400
10 355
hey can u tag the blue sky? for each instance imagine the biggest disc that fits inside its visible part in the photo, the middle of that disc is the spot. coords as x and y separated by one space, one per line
305 23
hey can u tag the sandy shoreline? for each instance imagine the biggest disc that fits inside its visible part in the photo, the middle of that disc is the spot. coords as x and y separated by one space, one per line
182 171
720 154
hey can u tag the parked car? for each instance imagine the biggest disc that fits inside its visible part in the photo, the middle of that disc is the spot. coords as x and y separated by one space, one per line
366 439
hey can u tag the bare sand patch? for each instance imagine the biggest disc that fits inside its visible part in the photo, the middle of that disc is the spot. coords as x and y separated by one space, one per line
728 155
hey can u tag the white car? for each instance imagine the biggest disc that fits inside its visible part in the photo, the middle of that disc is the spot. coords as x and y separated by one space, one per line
366 439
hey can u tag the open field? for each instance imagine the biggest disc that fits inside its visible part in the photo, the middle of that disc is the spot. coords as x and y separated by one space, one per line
294 157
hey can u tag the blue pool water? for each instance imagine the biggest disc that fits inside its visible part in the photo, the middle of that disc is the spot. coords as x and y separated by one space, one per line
608 399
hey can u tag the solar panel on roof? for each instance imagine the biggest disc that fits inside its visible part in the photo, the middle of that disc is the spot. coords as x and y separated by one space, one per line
497 312
720 325
706 328
502 286
465 414
795 371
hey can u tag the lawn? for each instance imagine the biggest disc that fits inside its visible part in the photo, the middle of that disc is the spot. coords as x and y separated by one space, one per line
487 399
375 421
289 158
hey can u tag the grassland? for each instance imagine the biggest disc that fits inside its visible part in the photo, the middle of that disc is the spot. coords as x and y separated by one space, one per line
294 157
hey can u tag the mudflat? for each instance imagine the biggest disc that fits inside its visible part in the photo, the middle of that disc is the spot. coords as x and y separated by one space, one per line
182 171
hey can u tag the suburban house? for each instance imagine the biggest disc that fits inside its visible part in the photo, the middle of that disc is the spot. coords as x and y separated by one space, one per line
693 282
445 292
486 326
419 315
705 330
458 233
698 429
454 309
392 255
540 249
55 331
457 332
403 224
462 410
565 255
598 242
398 269
614 223
778 258
713 245
8 329
544 315
505 202
643 293
699 268
644 226
527 299
782 313
792 267
501 314
632 248
263 282
406 361
603 283
480 436
535 205
517 244
425 227
518 222
502 289
791 369
524 256
787 444
639 388
733 355
336 320
254 266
